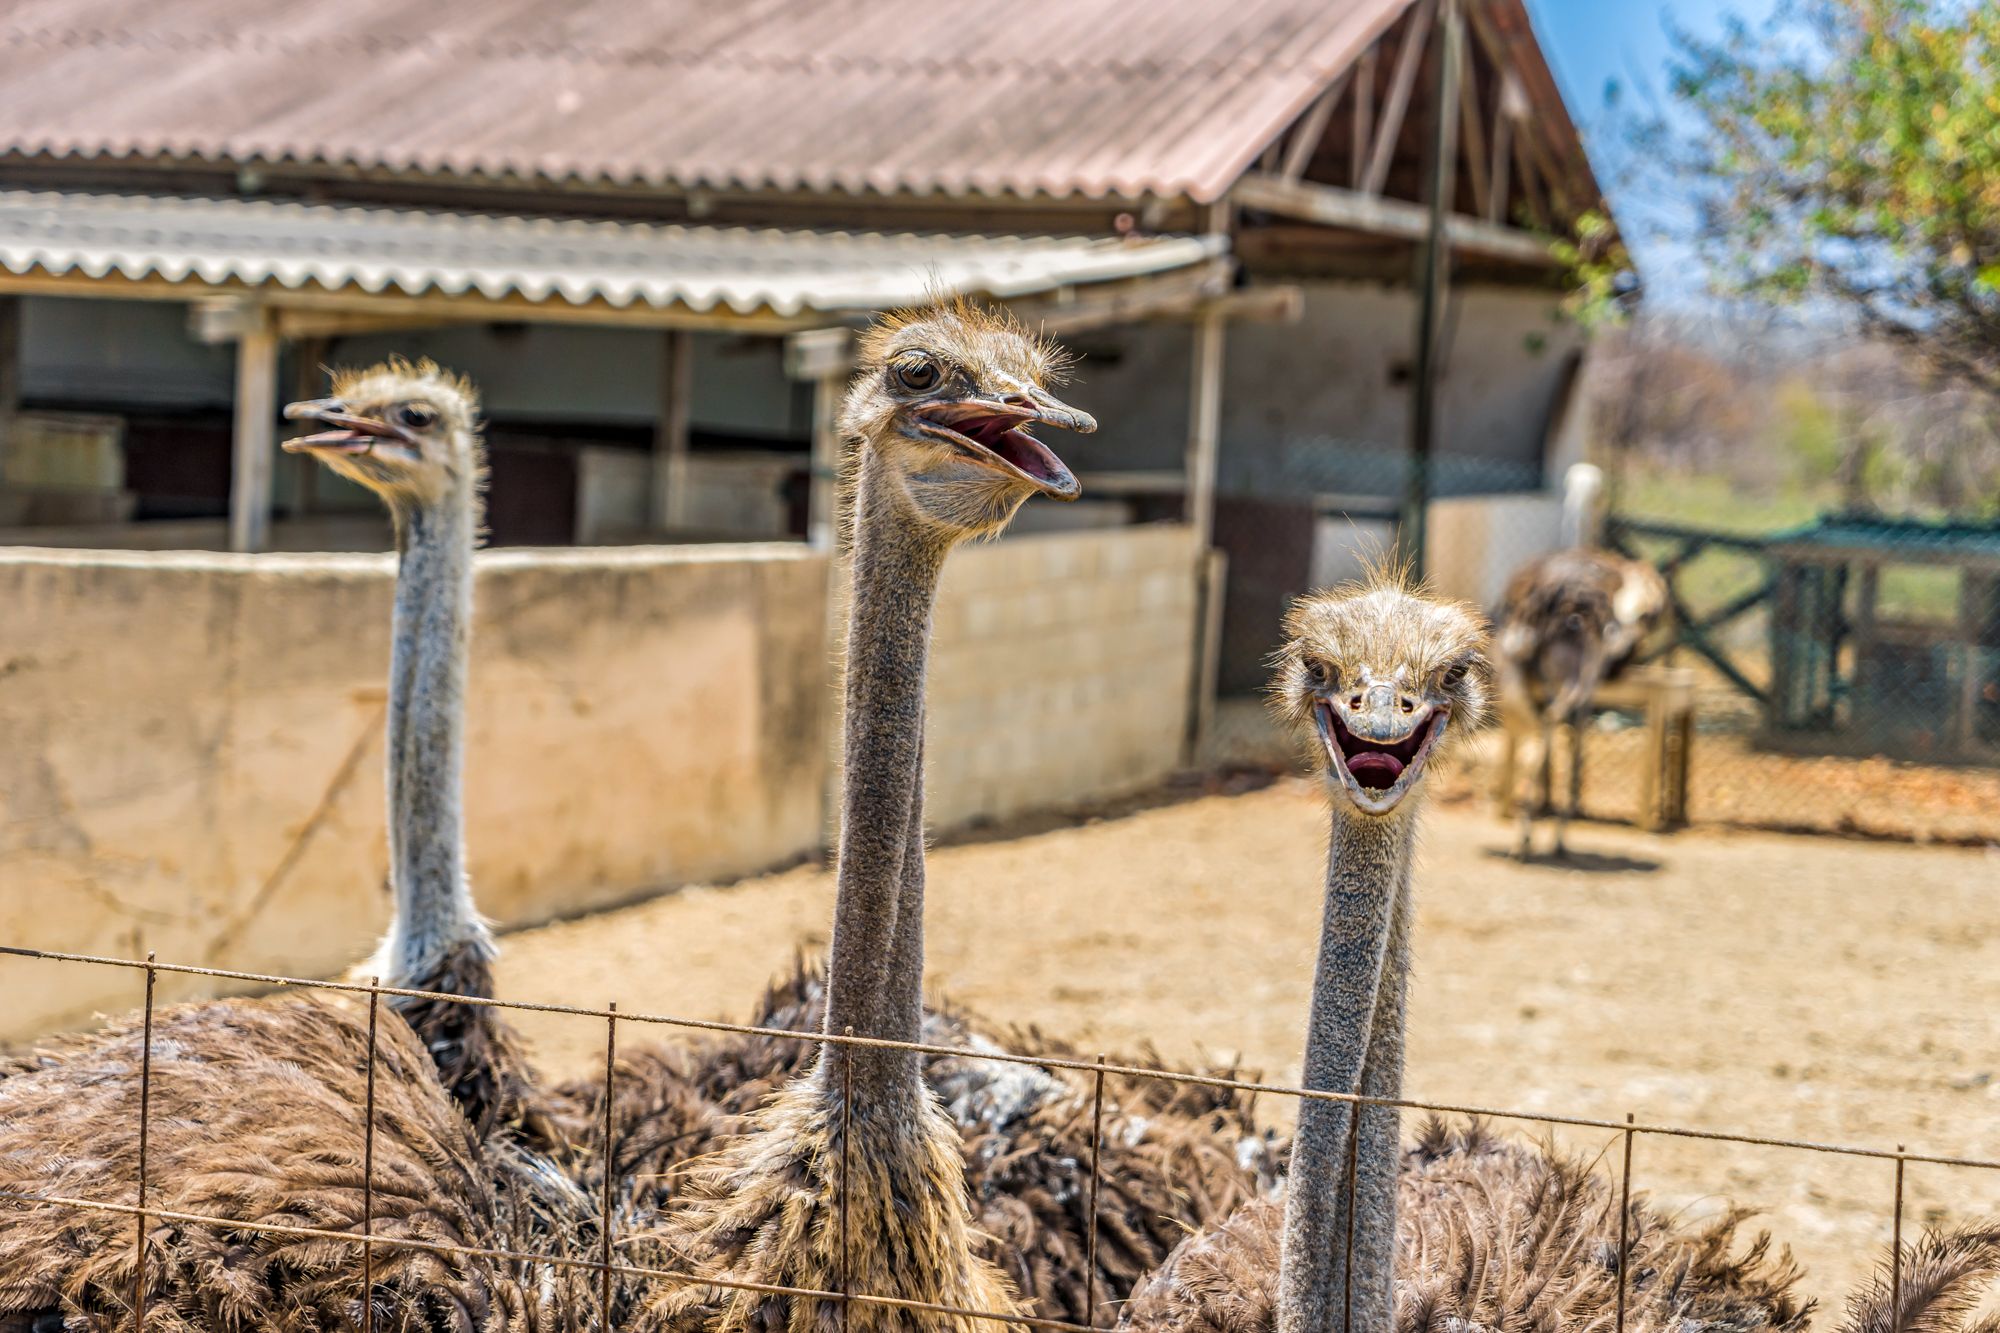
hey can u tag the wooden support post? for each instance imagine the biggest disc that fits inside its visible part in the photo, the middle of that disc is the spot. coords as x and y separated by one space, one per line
1211 590
1204 427
669 509
255 437
1432 278
823 497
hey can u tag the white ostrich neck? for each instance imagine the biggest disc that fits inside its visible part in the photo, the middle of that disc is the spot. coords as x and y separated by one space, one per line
1361 942
875 971
426 740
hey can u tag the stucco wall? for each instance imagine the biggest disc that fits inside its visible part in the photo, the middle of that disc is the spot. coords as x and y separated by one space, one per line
190 744
1323 405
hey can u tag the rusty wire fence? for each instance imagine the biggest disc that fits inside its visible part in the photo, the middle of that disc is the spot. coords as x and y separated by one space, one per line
606 1266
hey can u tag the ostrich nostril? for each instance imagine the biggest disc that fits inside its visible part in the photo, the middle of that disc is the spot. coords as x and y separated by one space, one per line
1409 706
1354 701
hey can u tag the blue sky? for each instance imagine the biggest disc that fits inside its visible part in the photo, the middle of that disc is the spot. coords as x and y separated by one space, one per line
1594 42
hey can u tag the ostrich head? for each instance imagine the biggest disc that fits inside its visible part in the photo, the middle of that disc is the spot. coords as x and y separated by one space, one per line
1381 674
942 402
407 431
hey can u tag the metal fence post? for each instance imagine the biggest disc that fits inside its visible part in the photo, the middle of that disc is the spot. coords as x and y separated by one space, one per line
368 1168
145 1134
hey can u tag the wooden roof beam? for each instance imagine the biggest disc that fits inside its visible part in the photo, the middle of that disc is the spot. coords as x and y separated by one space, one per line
1409 58
1299 152
1332 206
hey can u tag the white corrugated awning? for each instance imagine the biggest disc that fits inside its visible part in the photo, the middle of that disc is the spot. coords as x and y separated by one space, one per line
409 252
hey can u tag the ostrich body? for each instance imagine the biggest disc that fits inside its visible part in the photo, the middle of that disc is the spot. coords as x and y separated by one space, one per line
937 455
257 1114
1570 621
1383 677
1174 1157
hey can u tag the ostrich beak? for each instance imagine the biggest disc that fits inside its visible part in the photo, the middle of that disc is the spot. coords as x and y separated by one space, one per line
351 434
989 431
1377 740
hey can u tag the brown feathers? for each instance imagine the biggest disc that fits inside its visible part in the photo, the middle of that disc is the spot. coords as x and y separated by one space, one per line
765 1211
1497 1236
257 1113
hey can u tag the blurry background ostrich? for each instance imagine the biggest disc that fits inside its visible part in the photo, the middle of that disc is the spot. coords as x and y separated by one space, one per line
1569 622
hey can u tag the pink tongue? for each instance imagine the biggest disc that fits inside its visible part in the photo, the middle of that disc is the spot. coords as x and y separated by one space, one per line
1375 769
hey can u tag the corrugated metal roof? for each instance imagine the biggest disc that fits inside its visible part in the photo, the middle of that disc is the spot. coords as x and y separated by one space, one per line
220 241
1097 97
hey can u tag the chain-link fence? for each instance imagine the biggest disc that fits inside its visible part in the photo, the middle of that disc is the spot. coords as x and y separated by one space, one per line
1811 669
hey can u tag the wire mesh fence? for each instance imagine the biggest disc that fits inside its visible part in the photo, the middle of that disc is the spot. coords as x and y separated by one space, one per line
148 1190
1839 669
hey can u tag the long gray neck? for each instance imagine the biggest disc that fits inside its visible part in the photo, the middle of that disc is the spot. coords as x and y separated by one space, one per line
875 972
426 741
1363 939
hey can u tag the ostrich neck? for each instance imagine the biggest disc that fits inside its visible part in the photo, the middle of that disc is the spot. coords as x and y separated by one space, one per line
875 971
426 740
1363 939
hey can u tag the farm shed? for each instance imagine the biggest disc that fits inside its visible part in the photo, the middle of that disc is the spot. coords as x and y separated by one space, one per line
646 230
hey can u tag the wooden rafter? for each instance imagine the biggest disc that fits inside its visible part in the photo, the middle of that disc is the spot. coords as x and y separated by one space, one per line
1331 206
1503 144
1530 186
1545 183
1409 57
1473 131
1306 137
1364 116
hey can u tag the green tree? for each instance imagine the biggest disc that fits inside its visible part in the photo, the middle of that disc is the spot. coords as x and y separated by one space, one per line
1850 152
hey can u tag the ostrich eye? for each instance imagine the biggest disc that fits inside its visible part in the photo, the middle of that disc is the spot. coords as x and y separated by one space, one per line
1454 675
415 416
918 374
1319 673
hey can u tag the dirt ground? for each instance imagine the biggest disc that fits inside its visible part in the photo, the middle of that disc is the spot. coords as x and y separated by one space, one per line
1821 989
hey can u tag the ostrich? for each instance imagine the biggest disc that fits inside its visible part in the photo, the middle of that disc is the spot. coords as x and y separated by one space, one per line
1570 621
937 455
295 1074
1383 677
410 433
257 1113
1173 1157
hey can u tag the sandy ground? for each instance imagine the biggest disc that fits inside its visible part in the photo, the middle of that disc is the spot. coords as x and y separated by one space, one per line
1820 989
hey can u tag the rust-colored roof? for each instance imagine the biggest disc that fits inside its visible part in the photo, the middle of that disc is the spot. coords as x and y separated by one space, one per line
1094 97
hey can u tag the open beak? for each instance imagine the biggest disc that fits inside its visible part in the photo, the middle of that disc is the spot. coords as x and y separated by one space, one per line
350 434
1376 749
991 432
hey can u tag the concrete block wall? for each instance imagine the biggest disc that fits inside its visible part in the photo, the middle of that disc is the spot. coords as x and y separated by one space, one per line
1060 670
191 753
